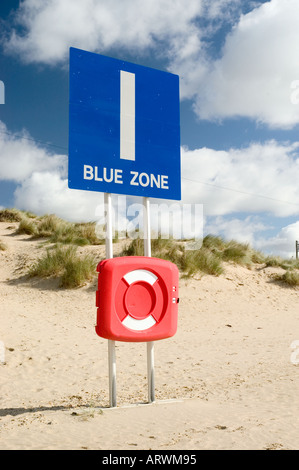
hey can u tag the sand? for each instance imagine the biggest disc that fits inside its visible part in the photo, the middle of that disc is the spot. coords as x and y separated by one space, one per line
226 380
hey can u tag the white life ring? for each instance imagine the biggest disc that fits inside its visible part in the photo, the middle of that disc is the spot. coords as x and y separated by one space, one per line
131 278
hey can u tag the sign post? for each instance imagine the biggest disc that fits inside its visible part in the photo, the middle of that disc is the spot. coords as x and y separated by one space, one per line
149 344
111 343
124 138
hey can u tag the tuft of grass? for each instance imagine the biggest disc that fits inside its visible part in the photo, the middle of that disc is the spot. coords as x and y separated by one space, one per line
27 226
78 271
57 230
64 233
64 262
257 257
278 262
274 261
295 263
87 232
47 225
236 252
10 215
213 243
290 278
53 262
203 261
14 215
167 248
189 262
29 214
135 248
161 248
208 259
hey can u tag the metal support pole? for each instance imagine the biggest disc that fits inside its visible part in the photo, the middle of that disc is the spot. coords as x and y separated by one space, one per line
108 217
112 373
111 344
147 227
150 371
149 344
297 249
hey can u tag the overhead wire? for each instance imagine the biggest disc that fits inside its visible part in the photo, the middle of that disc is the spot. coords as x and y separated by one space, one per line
22 137
183 177
240 191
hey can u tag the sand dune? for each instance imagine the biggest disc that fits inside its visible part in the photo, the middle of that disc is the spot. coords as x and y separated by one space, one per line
224 381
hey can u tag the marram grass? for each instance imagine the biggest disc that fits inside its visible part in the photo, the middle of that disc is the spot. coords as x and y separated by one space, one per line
290 277
54 229
210 258
63 262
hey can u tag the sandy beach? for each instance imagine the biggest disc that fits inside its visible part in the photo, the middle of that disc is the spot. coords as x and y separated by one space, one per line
224 381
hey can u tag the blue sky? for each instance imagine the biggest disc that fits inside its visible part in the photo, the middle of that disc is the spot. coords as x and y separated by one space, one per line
238 63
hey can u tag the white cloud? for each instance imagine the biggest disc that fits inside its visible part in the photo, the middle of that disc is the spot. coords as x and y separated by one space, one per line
48 192
283 243
256 70
20 156
256 179
271 169
44 31
49 28
242 230
41 179
219 8
252 180
248 230
253 77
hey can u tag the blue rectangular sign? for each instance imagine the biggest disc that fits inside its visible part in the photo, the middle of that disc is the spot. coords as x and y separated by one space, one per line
124 128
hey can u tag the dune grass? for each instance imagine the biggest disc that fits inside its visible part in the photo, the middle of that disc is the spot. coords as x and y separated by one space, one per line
64 262
78 271
189 262
52 262
290 277
203 261
236 252
14 215
212 256
27 226
278 262
56 230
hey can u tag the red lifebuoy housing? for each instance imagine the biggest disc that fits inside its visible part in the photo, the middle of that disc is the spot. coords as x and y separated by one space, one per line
137 299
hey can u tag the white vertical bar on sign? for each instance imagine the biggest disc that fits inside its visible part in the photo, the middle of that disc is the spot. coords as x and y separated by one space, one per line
111 344
149 344
127 115
2 93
